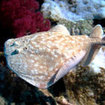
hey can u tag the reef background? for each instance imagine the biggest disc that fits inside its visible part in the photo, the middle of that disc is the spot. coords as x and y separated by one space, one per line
76 88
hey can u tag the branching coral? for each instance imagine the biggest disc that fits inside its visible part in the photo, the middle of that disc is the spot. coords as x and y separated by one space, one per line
22 17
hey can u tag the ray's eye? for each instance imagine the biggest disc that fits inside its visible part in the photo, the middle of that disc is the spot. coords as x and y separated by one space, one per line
15 52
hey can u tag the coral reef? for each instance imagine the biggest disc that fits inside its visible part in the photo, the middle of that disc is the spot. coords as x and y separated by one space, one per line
59 12
76 15
73 10
86 85
82 27
82 86
21 17
85 89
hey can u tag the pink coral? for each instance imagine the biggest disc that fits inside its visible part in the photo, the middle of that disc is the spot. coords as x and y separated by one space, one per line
21 17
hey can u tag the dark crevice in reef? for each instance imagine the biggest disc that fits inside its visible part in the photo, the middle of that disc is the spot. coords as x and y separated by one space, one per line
102 22
5 34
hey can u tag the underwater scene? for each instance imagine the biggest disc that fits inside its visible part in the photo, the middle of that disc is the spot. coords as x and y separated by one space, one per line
52 52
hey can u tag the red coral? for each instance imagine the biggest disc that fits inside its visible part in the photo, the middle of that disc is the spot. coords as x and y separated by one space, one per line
21 17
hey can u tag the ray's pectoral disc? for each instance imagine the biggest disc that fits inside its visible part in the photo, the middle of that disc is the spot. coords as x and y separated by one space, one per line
43 58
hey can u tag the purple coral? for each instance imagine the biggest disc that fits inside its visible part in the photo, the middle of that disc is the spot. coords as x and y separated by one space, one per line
22 18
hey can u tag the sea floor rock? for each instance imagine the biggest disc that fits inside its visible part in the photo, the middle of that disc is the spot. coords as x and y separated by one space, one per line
82 26
73 10
76 15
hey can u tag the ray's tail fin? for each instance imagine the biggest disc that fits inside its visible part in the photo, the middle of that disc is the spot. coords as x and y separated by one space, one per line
97 32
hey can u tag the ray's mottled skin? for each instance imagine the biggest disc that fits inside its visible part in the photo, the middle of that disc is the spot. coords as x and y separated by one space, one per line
43 58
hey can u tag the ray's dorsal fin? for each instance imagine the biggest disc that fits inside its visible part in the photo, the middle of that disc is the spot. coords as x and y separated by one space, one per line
97 31
60 28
